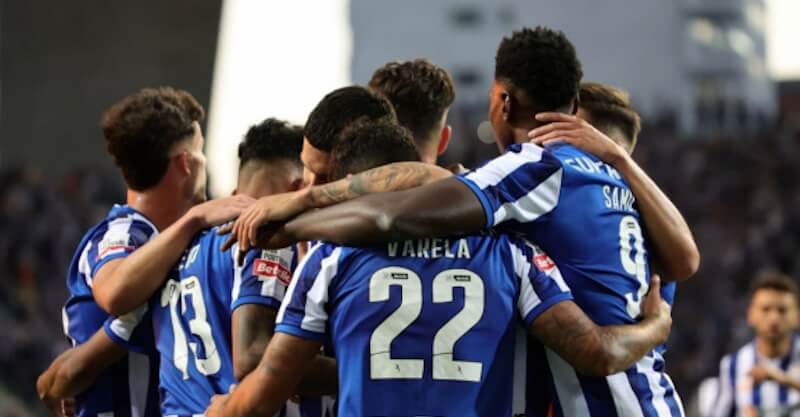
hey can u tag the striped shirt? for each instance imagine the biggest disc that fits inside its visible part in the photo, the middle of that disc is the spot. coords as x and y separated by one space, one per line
738 392
584 215
129 387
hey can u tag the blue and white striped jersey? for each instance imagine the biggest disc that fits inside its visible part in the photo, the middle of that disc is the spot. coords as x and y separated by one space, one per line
191 317
421 328
583 214
738 392
129 387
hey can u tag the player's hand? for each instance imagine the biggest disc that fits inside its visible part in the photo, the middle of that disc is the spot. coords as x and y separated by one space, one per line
761 373
656 309
269 209
577 132
217 406
220 211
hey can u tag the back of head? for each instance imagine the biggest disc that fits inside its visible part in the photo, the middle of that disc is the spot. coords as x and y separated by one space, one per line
543 64
269 158
367 145
141 130
609 109
339 109
271 140
420 92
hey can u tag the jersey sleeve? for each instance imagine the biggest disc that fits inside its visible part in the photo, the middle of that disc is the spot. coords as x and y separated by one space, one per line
539 289
123 236
523 184
133 331
304 312
263 278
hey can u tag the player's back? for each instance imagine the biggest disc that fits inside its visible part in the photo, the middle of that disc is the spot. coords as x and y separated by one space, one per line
423 327
124 388
192 317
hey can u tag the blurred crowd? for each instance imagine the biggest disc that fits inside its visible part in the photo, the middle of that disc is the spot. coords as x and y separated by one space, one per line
741 196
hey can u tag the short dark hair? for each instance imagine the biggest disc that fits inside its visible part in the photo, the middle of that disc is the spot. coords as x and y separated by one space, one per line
610 108
141 129
542 63
270 140
777 282
370 144
420 92
340 108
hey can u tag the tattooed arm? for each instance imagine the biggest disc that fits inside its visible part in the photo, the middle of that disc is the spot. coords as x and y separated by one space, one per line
393 177
600 351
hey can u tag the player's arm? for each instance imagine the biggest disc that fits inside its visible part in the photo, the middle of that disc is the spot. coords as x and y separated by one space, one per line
265 390
128 279
761 373
252 329
45 381
600 351
280 207
76 369
675 249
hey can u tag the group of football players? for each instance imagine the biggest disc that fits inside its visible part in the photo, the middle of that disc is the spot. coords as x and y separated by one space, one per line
350 275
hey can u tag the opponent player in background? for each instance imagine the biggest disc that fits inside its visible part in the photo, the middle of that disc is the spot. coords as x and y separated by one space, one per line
212 319
155 139
383 338
576 207
763 377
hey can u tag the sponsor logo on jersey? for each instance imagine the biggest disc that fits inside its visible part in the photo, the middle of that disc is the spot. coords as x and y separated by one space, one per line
270 268
113 243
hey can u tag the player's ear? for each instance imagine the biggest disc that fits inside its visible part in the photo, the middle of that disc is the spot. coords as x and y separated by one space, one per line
508 106
444 139
183 163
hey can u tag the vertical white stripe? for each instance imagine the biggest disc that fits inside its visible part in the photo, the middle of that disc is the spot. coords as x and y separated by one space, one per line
675 394
520 371
568 388
138 381
501 167
770 398
292 285
625 400
528 298
83 264
237 273
538 202
317 296
744 384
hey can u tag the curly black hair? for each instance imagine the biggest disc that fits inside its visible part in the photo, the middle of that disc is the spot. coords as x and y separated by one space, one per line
369 144
339 109
141 129
419 91
543 63
270 140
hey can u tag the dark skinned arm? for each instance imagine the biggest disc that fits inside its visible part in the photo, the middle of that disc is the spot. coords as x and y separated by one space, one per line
253 326
265 390
78 368
280 207
442 208
600 351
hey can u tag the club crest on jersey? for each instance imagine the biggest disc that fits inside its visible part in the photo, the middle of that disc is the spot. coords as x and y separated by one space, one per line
271 265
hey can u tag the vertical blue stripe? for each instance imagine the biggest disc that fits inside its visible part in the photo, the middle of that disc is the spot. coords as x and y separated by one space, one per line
783 390
732 377
641 386
598 396
669 397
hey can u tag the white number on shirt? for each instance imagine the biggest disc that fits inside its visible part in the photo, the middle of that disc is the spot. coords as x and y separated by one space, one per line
382 366
171 295
629 229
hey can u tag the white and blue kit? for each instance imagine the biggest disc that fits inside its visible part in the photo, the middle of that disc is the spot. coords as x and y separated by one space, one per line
127 388
423 327
738 391
582 213
191 317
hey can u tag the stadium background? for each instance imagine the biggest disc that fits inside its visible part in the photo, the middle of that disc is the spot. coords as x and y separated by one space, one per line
712 78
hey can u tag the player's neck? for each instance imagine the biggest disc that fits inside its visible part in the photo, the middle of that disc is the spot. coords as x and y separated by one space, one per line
774 348
162 207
